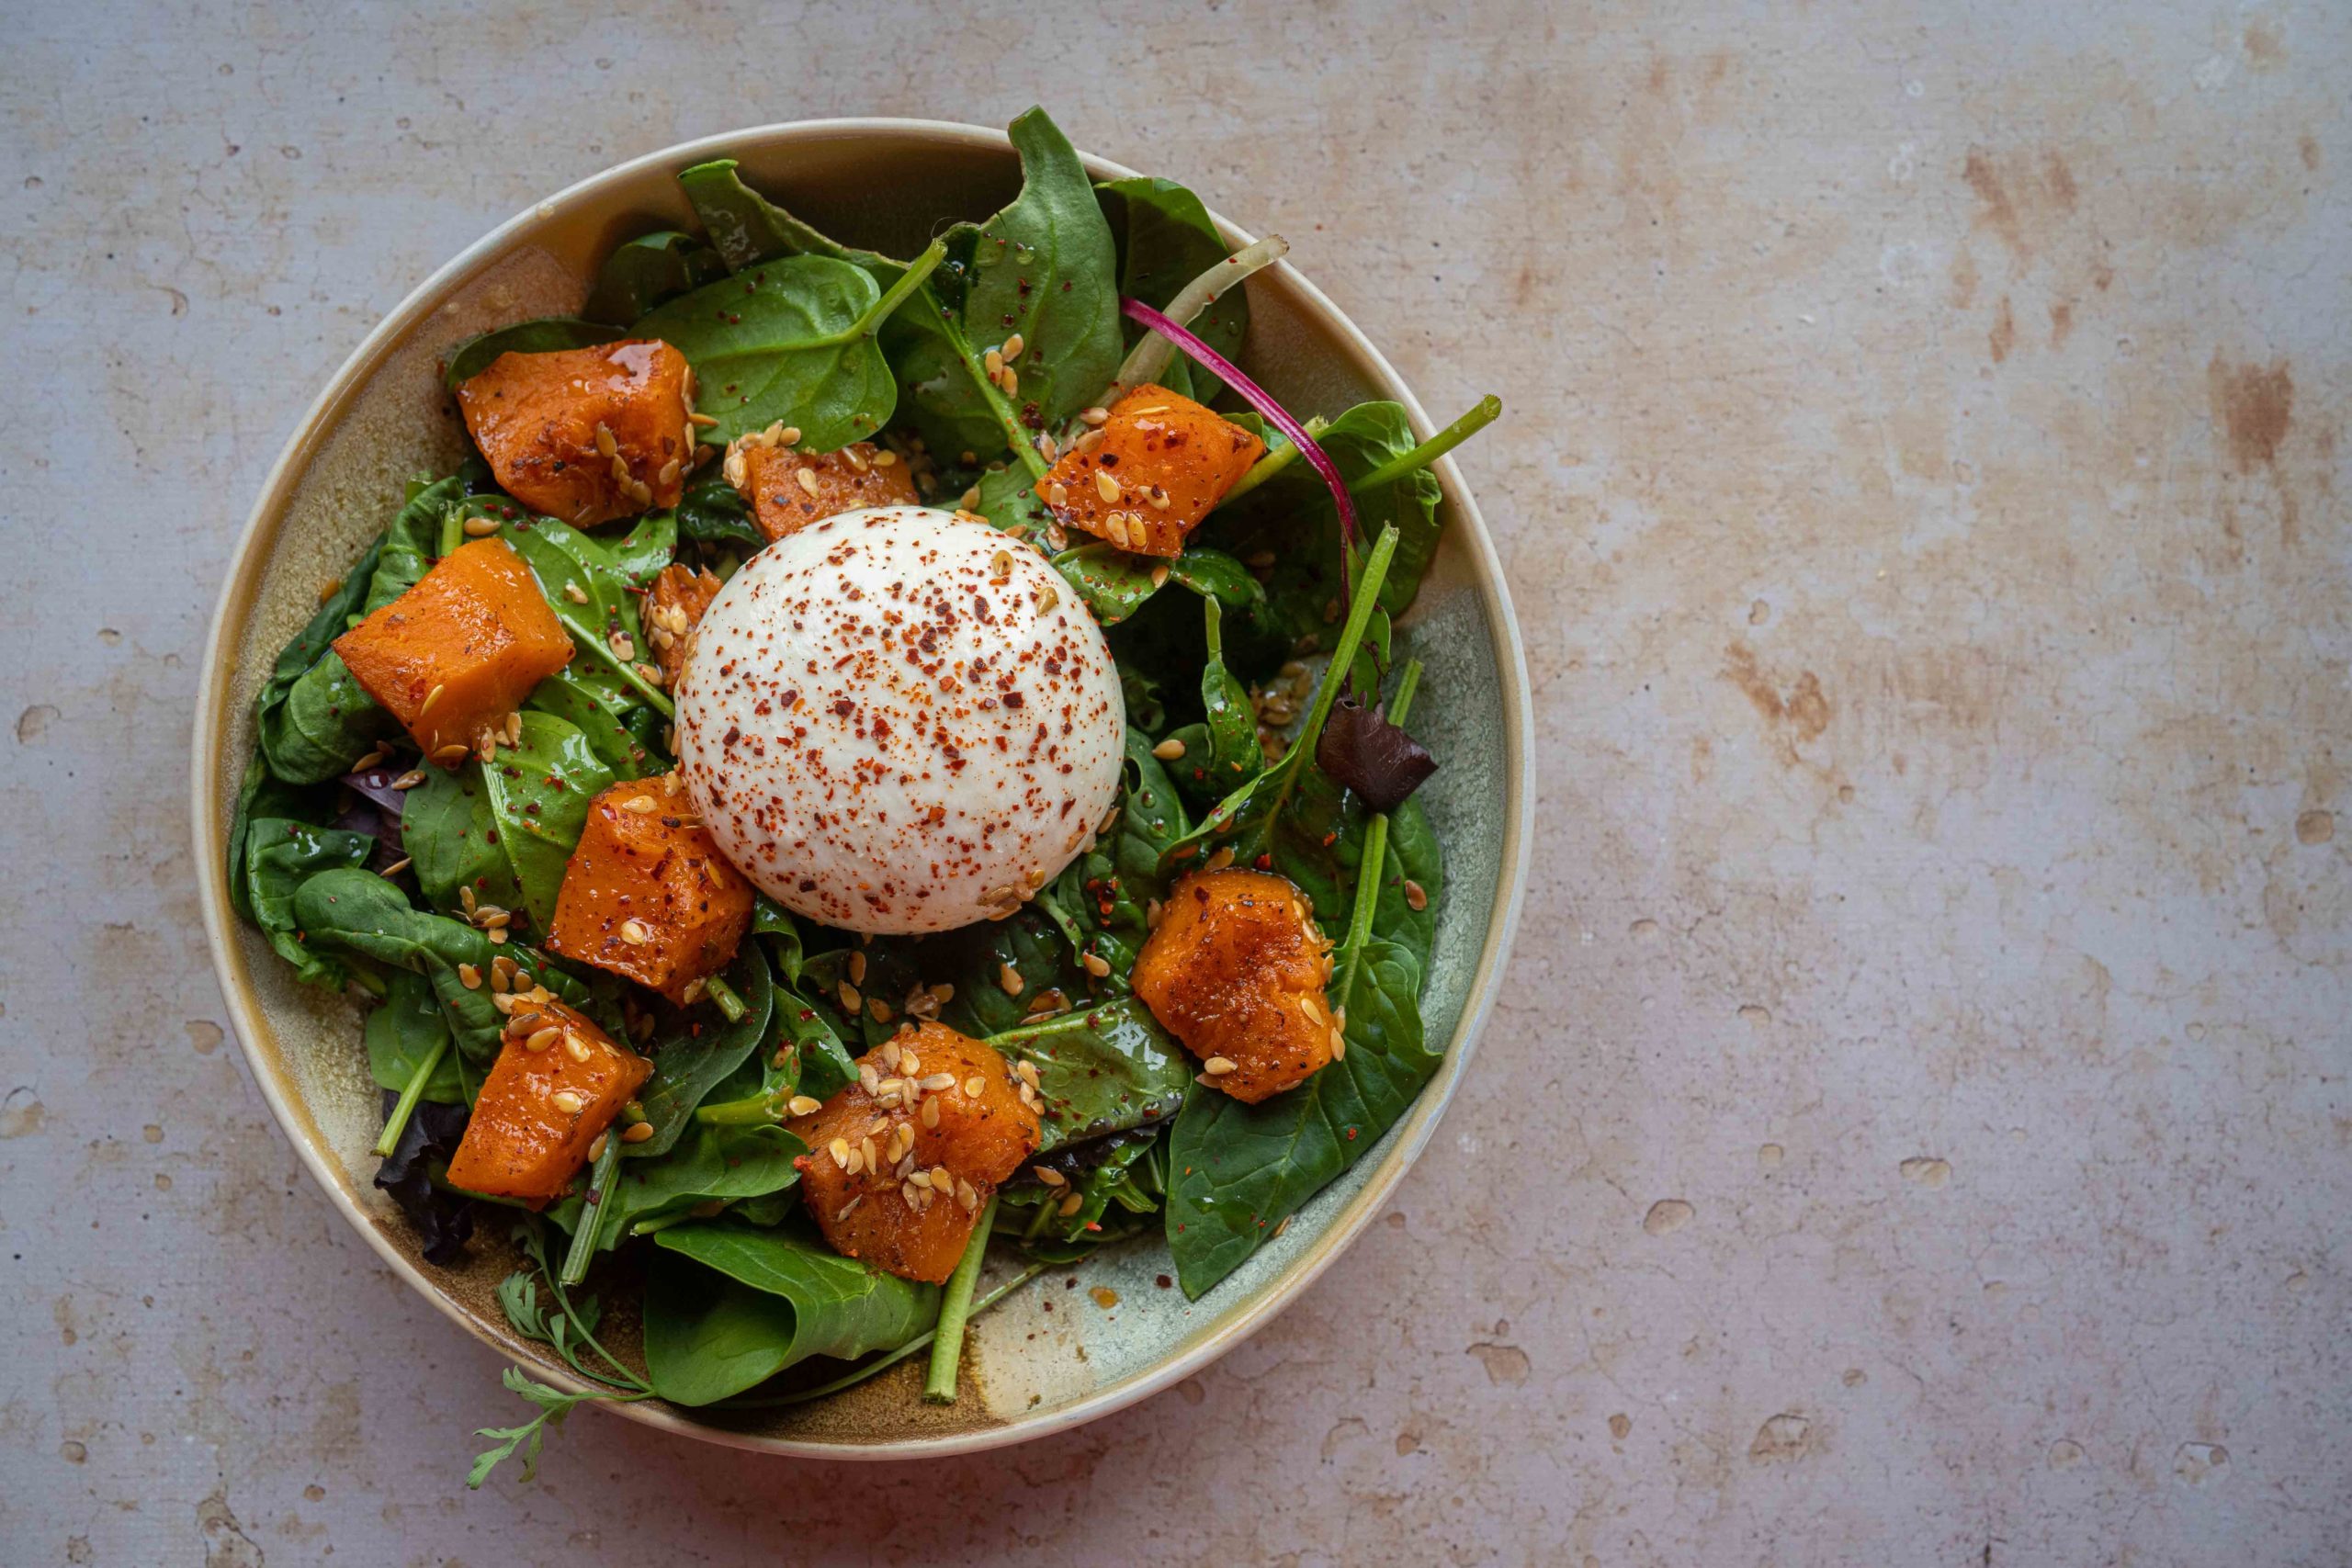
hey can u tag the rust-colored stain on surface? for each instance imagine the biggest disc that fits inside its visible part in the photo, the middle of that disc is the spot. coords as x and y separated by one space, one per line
2255 406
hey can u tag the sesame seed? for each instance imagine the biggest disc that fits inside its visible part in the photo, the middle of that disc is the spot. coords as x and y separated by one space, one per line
1217 1066
1169 750
569 1101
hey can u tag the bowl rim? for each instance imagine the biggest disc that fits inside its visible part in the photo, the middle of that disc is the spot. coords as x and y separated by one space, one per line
255 545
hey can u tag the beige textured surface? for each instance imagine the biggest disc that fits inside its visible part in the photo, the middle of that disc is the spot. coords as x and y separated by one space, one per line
1920 1131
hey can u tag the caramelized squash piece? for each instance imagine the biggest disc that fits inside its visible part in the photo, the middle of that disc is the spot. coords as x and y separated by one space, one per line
674 605
558 1083
458 653
1146 478
586 434
646 894
1236 970
902 1162
790 490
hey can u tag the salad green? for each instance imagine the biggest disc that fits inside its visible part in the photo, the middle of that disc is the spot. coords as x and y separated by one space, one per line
370 869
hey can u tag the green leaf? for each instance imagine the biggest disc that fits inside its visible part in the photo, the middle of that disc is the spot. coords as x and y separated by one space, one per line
795 344
404 1031
1166 239
727 1307
1238 1171
1231 723
725 1165
975 960
280 856
713 511
607 714
748 229
649 271
1045 269
1117 1180
549 334
1103 1069
262 794
314 719
412 541
562 558
539 793
449 830
688 1066
360 912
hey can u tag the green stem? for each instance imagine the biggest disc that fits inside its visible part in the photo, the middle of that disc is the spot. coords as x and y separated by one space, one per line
592 1214
955 1311
722 993
752 1110
917 270
1481 414
1375 853
1277 459
405 1106
1407 682
654 696
857 1375
660 1223
453 529
1343 652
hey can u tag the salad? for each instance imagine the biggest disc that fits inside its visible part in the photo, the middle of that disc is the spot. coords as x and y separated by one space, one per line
875 778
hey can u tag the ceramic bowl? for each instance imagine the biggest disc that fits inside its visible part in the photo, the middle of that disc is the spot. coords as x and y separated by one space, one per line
384 418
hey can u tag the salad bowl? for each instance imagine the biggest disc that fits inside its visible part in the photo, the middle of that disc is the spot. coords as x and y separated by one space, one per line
383 417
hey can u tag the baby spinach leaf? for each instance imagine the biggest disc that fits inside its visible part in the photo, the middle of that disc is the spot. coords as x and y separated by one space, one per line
1110 583
1102 1070
777 1299
360 912
819 1064
1231 723
549 334
977 960
314 719
608 715
1165 239
713 511
792 341
538 794
405 1029
1116 1180
722 1165
1238 1171
412 541
564 559
280 856
748 229
451 833
1045 269
261 795
689 1064
1105 893
647 271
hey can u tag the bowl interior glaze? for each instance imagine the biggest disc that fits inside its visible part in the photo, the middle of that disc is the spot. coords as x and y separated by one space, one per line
385 418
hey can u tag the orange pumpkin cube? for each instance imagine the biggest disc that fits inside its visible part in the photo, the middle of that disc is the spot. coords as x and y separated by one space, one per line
586 434
790 490
1236 970
672 607
456 654
558 1083
1146 478
646 893
902 1162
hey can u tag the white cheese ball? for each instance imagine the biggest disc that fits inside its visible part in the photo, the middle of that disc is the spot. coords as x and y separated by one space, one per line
894 721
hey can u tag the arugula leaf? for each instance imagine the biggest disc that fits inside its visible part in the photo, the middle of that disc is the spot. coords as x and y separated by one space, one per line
795 344
548 335
687 1066
647 271
403 1034
280 856
777 1299
1165 239
1100 1070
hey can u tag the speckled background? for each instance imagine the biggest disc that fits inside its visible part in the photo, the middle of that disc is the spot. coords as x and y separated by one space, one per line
1917 1130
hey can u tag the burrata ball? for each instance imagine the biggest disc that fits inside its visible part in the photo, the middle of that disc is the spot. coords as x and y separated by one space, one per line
895 721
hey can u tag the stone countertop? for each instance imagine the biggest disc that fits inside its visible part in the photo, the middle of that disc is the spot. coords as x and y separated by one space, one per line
1916 1127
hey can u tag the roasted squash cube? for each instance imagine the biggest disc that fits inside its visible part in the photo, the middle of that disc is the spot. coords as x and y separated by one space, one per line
679 596
902 1162
1236 970
558 1082
456 654
790 490
646 893
1146 478
586 434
